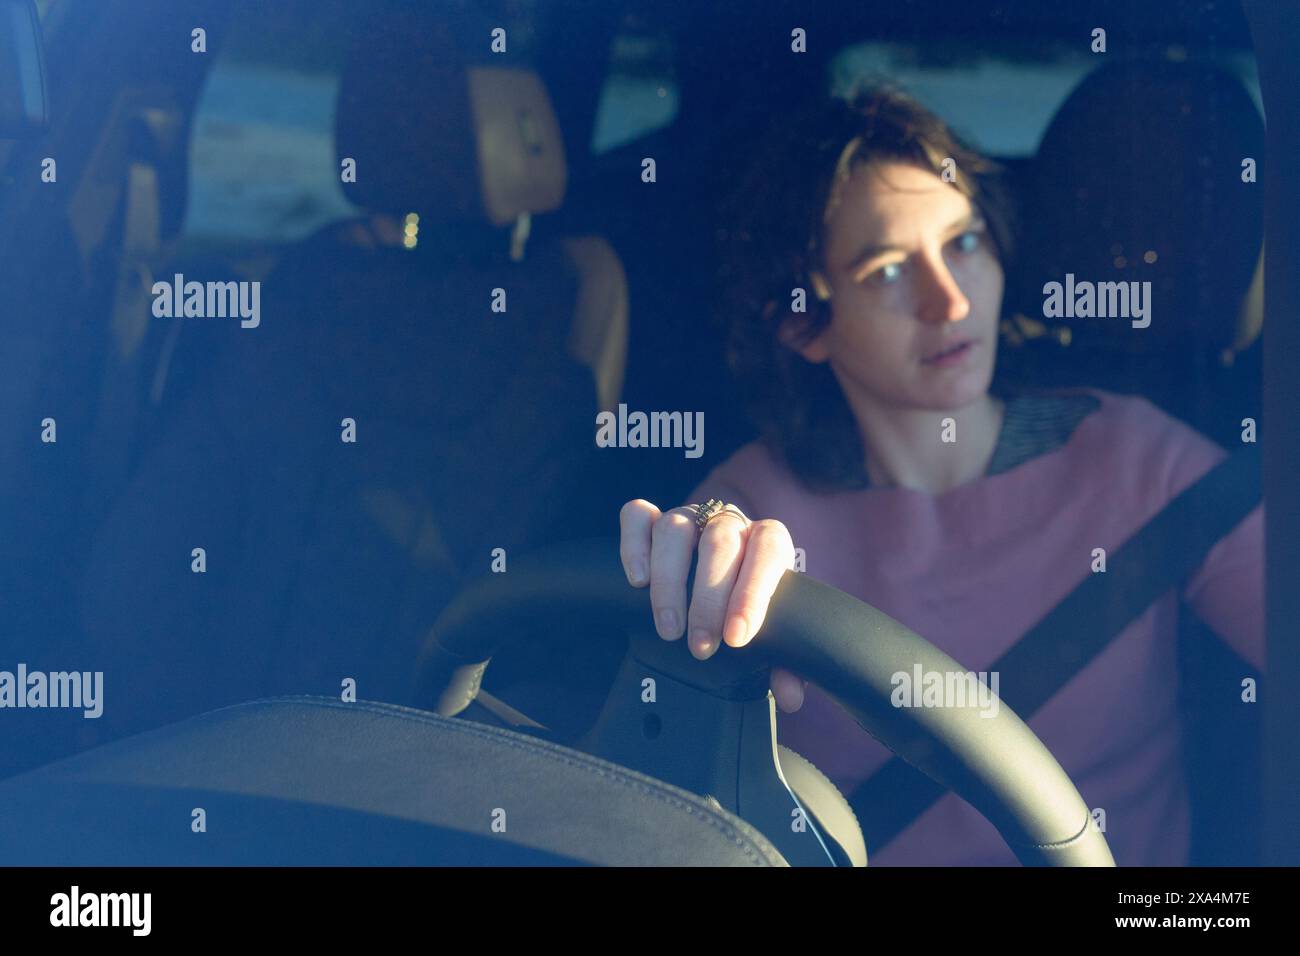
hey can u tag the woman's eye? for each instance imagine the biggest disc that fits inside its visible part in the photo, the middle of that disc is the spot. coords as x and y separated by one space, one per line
887 274
969 240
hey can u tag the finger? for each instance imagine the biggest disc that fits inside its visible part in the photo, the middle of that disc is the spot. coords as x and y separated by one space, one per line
672 545
635 521
788 689
769 553
721 548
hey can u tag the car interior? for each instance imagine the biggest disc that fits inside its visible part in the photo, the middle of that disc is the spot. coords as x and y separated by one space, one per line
329 560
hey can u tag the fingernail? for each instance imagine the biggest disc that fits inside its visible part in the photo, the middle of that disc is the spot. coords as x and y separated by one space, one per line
737 629
636 574
666 620
790 701
702 643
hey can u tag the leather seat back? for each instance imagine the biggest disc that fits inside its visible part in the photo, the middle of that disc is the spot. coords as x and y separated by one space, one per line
312 782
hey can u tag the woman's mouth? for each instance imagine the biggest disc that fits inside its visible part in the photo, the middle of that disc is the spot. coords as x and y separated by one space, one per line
953 355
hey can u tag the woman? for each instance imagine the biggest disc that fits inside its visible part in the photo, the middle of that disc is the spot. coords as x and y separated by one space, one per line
965 515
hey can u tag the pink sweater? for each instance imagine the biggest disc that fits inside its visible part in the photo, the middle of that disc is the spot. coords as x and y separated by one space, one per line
973 569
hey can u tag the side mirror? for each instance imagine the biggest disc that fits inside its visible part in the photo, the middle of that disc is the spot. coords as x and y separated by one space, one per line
24 109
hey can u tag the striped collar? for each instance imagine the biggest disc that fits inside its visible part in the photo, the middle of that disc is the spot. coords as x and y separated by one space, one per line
1033 424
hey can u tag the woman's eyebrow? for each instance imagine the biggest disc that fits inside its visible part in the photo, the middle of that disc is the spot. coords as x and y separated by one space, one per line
867 253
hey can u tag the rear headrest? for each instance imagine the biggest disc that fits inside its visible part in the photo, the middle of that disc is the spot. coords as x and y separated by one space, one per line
433 133
1146 158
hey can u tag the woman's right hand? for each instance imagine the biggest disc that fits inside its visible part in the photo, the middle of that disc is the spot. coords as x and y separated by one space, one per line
740 565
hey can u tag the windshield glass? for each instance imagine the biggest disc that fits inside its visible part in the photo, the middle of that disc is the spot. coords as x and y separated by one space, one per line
323 312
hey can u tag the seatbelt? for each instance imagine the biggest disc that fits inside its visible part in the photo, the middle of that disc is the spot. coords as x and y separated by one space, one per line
1163 553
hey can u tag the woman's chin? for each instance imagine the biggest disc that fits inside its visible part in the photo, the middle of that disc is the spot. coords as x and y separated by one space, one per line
953 395
962 387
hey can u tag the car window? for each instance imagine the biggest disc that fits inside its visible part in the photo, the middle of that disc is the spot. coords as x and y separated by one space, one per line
262 145
1001 98
640 92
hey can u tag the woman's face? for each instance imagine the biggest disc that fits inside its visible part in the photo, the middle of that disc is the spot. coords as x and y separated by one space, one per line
912 271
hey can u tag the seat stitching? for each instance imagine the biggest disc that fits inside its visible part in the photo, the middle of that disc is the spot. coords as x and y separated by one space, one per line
623 777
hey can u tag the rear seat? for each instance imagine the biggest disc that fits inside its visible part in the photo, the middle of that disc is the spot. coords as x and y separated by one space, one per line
328 560
1111 186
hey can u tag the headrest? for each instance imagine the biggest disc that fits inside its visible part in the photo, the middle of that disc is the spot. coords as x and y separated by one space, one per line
434 133
1144 161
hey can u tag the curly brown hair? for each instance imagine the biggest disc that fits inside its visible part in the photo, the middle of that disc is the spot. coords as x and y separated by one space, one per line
775 244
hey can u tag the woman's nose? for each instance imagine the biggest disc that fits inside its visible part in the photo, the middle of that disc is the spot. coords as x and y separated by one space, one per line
941 297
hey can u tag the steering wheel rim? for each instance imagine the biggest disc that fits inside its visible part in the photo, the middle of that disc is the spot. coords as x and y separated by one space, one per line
997 764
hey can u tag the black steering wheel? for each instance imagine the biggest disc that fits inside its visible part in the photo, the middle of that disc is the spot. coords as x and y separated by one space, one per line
845 646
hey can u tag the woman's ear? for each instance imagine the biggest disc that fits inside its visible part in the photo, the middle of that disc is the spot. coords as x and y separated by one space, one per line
815 351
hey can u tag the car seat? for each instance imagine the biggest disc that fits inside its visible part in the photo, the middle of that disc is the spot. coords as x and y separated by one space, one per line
315 782
1139 177
326 560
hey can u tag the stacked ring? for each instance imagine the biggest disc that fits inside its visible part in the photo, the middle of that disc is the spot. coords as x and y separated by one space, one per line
711 509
